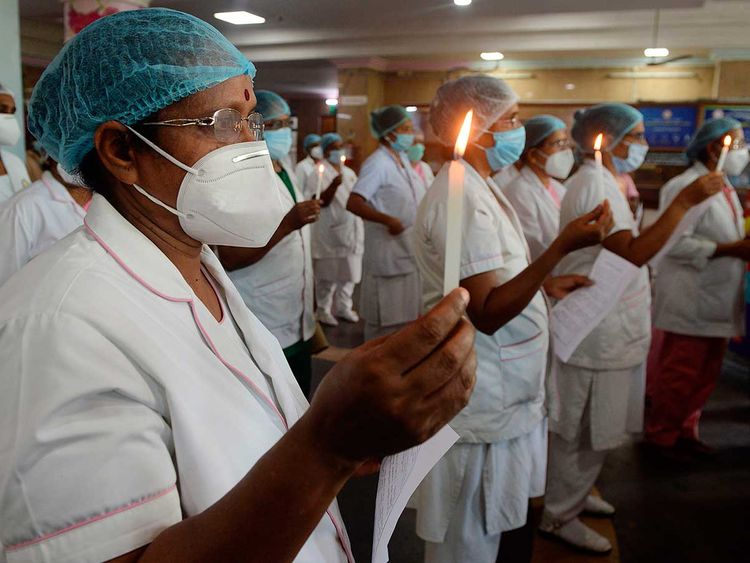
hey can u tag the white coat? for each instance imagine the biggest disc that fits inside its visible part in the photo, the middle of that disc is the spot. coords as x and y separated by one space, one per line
695 294
304 169
338 233
505 176
508 400
424 173
133 417
33 220
17 176
278 288
537 209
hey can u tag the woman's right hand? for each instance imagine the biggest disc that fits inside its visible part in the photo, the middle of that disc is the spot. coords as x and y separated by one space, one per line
301 214
395 227
588 230
701 189
395 392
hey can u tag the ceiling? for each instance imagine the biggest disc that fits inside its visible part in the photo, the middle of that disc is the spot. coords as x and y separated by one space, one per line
302 43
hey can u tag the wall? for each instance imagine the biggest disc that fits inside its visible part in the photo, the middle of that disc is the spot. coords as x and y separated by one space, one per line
354 124
10 61
734 80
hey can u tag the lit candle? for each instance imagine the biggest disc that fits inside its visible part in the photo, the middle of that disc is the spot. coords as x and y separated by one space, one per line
343 160
321 169
599 165
724 152
454 210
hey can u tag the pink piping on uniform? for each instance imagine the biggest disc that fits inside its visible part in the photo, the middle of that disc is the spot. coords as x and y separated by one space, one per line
537 335
234 370
70 199
88 521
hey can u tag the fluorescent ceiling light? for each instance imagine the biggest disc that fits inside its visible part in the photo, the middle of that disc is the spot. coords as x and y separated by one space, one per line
492 56
332 102
653 74
411 109
656 52
462 2
239 18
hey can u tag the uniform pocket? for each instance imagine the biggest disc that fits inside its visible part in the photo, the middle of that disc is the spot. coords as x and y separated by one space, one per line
523 364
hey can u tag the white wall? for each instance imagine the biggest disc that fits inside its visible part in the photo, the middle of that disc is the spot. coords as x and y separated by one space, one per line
10 60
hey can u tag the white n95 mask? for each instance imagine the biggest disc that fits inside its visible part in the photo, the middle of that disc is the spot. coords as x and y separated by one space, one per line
736 161
229 197
10 132
316 153
559 164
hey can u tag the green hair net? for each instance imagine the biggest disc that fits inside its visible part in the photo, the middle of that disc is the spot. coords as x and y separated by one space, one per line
614 120
386 119
125 67
271 105
710 131
539 127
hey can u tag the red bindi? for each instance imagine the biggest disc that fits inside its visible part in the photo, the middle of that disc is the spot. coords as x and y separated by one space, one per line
247 94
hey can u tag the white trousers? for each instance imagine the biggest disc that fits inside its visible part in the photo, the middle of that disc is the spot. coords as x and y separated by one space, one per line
334 297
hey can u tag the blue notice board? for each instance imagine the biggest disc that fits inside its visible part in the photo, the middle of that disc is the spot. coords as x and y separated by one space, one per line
669 126
740 113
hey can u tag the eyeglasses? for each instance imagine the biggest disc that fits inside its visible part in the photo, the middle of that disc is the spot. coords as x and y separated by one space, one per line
738 144
507 124
639 137
226 124
559 144
276 124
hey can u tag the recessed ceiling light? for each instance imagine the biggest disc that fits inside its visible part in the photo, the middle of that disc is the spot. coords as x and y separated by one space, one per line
492 56
239 18
462 2
411 109
332 102
570 86
656 52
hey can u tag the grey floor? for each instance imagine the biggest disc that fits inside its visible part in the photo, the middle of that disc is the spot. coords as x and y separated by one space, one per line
668 511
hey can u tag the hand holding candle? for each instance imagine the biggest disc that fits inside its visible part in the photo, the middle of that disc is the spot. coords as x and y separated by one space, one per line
454 209
724 152
321 169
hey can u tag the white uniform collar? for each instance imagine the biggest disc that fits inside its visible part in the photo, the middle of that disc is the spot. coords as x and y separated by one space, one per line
58 191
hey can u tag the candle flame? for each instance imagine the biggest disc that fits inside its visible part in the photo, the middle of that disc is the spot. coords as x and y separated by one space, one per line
727 140
598 142
343 158
463 136
321 169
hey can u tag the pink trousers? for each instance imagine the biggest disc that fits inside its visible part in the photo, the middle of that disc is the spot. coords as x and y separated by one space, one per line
682 373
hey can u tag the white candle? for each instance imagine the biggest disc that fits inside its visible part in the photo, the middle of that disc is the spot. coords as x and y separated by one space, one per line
724 152
454 210
321 169
599 166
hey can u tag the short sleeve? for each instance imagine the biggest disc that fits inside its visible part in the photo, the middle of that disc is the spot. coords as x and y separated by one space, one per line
371 178
15 242
86 470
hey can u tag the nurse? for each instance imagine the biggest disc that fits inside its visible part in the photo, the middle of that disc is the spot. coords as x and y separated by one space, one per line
386 197
601 386
537 193
481 488
161 422
13 174
699 300
422 169
276 281
308 165
39 216
338 238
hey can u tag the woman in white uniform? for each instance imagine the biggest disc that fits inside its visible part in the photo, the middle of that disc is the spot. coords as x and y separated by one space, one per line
481 488
338 238
309 164
386 197
13 174
415 153
276 281
145 413
39 216
601 387
537 193
699 301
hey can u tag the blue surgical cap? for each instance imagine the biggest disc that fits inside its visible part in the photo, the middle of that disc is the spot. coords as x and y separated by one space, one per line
310 140
271 105
539 127
329 139
614 120
125 67
710 131
488 96
386 119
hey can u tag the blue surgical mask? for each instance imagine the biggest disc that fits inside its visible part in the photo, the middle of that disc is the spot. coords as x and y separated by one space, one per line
415 152
403 142
636 155
279 142
507 149
334 157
